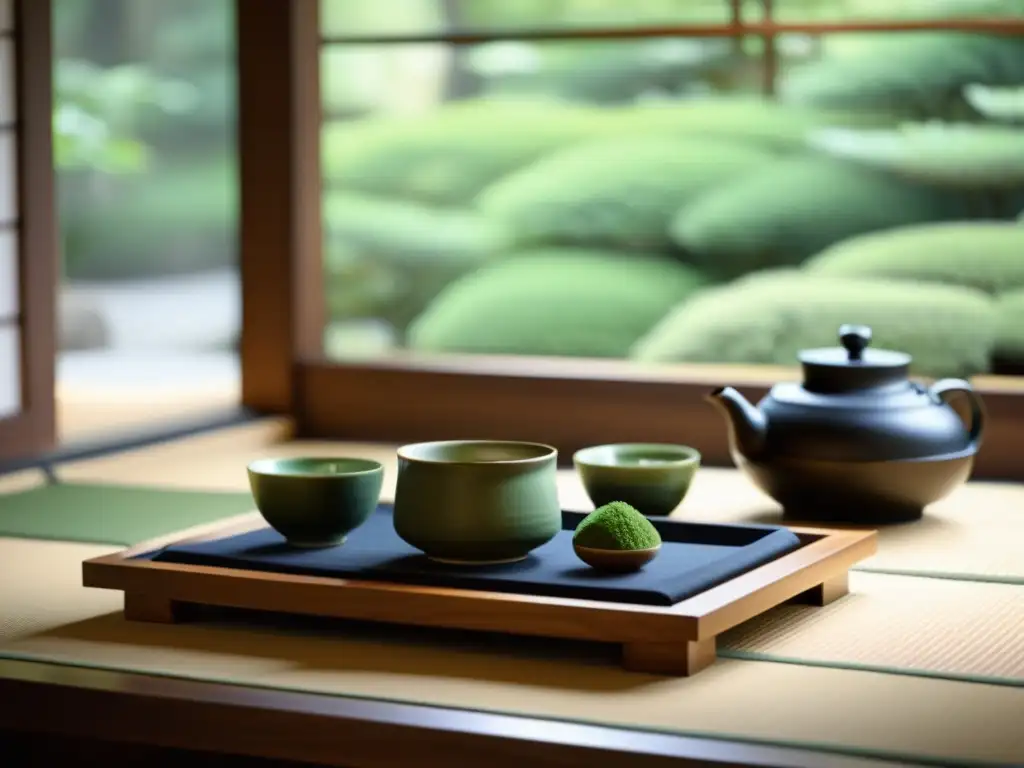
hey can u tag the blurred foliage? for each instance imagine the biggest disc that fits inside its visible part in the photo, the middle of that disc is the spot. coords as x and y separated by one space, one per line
616 193
187 42
957 155
345 17
782 127
145 89
449 155
921 74
986 255
569 302
648 152
97 113
446 158
1004 104
610 72
405 234
949 331
883 10
138 228
788 211
387 259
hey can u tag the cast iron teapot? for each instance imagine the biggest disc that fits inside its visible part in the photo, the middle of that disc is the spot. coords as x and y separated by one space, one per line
857 441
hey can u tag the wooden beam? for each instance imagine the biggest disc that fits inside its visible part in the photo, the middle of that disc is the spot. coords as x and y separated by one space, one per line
278 143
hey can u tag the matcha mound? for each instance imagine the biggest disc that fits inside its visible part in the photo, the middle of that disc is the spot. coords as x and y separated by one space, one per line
616 526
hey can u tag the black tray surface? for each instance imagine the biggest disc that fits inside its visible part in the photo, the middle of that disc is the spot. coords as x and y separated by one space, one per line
694 557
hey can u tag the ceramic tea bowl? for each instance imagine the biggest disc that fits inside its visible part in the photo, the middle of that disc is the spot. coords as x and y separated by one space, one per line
652 477
315 502
477 502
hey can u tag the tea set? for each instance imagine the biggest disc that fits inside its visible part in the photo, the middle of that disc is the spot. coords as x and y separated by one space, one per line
857 441
470 502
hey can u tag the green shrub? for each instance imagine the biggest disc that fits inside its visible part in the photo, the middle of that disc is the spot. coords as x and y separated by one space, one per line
918 73
987 255
614 193
175 220
795 208
763 122
950 331
621 71
388 259
447 157
963 156
1010 326
569 302
408 234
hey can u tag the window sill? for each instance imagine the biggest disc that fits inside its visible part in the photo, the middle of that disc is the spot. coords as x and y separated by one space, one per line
573 403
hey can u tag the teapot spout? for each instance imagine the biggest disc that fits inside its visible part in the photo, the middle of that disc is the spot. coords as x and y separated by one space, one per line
747 425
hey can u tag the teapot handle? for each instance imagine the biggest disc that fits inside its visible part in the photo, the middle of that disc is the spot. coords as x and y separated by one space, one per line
943 389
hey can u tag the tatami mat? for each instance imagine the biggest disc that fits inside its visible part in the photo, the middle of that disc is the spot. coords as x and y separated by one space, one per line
213 461
902 623
49 617
112 514
22 480
974 533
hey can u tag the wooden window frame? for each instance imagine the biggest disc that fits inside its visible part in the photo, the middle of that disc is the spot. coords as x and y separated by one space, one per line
568 403
32 430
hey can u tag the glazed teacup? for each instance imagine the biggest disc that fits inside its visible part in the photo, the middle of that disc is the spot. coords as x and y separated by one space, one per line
653 478
315 502
477 502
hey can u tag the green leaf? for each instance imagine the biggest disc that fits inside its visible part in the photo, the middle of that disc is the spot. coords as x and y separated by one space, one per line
965 155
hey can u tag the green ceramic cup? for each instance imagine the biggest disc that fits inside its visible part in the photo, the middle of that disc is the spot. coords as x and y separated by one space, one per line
651 477
477 502
315 502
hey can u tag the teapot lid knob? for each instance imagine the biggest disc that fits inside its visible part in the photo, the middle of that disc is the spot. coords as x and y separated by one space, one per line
855 339
852 366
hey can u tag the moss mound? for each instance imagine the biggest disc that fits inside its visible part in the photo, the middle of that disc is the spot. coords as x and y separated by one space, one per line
569 302
446 158
794 208
1010 326
949 331
408 234
986 255
958 155
760 122
918 73
616 526
616 193
389 259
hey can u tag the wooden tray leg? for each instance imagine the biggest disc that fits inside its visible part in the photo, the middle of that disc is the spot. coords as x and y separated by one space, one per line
162 610
824 593
679 659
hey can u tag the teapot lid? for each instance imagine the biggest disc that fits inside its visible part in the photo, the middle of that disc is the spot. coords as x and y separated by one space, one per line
852 366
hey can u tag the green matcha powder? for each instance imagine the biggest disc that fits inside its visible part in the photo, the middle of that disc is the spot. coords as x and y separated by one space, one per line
616 526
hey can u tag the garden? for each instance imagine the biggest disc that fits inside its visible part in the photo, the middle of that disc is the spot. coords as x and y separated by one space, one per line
636 199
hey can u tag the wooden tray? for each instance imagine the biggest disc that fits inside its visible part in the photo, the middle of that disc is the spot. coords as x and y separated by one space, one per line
675 640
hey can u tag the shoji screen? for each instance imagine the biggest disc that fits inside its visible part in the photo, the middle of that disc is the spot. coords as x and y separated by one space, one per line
10 303
28 232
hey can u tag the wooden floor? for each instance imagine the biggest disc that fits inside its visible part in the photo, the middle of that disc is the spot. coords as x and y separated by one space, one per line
47 751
